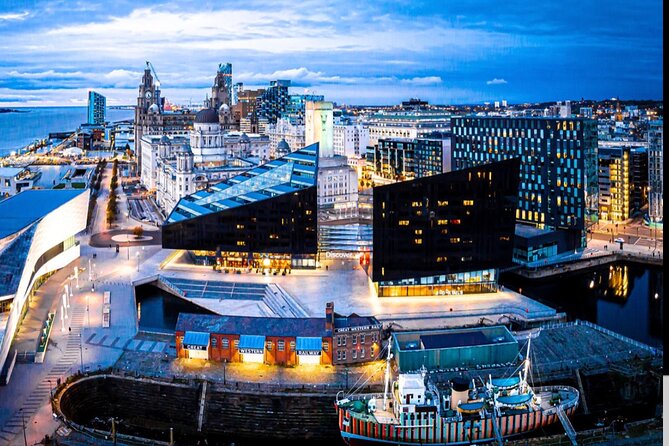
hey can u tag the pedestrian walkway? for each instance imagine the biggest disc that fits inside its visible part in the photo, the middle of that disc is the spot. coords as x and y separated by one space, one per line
40 394
126 344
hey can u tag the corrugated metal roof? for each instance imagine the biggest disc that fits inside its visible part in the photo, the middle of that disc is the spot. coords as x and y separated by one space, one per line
251 344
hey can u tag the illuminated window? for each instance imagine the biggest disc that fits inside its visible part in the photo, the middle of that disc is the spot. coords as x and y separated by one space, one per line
241 243
442 203
308 212
240 226
416 204
468 202
270 345
403 223
225 343
281 345
455 221
326 347
455 239
418 231
442 259
418 241
442 222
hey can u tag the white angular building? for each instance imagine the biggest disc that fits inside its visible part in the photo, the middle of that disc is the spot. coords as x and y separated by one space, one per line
318 126
37 236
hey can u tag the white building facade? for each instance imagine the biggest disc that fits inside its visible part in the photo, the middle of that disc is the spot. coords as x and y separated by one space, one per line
284 129
318 127
350 140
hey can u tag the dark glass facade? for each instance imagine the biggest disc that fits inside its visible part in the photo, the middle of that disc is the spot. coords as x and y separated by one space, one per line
453 228
285 224
558 171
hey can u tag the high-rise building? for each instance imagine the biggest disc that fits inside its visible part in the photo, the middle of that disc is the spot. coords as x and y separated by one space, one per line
445 234
236 89
655 172
97 106
319 127
296 107
586 112
273 102
558 172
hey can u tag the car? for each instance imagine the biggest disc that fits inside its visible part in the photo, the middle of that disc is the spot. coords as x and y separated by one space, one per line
619 240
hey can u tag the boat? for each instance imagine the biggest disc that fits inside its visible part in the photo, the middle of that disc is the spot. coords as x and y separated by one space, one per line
414 411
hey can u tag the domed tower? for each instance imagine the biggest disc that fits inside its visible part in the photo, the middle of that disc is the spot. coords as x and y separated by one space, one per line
282 148
206 139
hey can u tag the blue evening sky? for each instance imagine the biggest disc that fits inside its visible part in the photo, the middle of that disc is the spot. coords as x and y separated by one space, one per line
356 52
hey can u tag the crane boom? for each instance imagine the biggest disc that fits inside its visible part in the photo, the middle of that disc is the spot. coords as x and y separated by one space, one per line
153 71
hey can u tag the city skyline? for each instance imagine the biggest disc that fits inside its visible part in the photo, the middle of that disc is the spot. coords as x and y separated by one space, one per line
54 51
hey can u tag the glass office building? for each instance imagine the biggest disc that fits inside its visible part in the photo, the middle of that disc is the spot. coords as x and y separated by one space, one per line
263 218
445 234
558 187
97 106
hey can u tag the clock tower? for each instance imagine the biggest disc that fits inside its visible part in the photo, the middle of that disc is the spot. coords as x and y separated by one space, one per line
145 99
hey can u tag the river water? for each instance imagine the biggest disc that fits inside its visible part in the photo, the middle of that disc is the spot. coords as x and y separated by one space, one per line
626 298
17 130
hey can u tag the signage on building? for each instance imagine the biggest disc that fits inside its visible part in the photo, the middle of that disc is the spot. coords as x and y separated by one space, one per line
252 351
195 347
309 352
360 328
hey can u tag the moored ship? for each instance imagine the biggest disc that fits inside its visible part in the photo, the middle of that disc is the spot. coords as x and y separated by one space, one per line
416 412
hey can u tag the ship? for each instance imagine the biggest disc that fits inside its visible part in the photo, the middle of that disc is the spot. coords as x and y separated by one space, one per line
414 411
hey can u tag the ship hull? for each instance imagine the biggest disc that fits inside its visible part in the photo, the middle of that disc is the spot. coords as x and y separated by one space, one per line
427 429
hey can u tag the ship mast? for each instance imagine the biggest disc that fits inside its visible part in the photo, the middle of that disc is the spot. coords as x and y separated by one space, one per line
527 363
387 379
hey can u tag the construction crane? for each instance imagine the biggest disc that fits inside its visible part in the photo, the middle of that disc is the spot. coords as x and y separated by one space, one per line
153 71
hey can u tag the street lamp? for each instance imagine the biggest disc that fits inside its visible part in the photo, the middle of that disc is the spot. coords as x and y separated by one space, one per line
23 423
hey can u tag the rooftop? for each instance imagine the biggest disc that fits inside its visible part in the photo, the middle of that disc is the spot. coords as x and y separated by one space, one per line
468 337
258 326
290 173
10 171
27 207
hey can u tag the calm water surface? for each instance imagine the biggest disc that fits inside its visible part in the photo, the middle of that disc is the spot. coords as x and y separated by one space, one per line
625 297
17 130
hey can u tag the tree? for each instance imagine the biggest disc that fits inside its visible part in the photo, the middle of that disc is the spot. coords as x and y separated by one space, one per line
138 231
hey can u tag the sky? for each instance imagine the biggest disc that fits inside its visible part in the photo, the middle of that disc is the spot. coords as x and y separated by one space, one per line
354 52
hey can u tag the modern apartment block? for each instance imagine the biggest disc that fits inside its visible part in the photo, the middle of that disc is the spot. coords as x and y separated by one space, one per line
558 192
655 172
97 106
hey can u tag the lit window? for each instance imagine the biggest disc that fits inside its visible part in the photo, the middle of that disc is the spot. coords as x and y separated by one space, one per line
468 202
418 231
225 343
418 241
442 222
281 345
241 243
455 239
403 222
270 345
326 346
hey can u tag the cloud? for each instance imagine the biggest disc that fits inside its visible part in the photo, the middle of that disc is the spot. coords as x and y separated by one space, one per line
496 81
10 16
426 80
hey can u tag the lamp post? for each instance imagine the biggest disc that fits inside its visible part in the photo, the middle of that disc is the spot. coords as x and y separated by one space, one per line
81 353
23 423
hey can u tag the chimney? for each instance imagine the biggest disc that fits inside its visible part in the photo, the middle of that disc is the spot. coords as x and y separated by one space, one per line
329 316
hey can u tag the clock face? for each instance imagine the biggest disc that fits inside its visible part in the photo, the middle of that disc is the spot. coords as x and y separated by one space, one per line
148 95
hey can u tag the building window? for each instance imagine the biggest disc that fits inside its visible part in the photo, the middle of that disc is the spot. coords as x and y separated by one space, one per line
225 343
235 344
270 345
355 339
326 347
292 346
281 345
354 354
213 342
343 341
343 355
338 355
362 338
362 352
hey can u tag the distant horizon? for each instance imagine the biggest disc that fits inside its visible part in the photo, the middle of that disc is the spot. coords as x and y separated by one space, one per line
366 105
370 53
